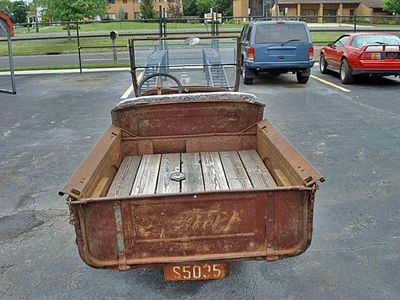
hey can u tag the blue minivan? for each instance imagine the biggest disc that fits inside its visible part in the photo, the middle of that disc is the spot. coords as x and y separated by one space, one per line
276 47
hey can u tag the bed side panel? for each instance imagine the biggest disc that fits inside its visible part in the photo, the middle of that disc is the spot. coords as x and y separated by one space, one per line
287 165
101 162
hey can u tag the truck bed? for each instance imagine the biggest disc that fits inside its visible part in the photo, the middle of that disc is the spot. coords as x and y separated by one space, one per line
247 193
204 171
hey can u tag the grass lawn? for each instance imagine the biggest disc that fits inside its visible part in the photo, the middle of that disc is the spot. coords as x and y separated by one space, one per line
39 47
57 46
325 37
137 26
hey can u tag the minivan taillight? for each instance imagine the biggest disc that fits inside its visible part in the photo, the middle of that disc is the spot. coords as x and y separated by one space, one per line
250 53
311 52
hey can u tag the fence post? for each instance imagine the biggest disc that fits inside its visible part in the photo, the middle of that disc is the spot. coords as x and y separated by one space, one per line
160 21
162 26
216 24
36 19
165 45
164 18
214 29
113 35
212 22
79 47
355 23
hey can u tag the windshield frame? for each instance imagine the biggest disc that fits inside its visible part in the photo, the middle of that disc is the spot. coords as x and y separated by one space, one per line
187 89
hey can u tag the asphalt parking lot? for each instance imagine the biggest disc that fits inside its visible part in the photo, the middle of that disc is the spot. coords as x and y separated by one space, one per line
350 133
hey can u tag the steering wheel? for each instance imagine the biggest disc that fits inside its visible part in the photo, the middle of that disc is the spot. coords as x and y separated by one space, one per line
159 88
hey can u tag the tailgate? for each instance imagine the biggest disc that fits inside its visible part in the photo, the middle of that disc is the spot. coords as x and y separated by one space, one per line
222 225
275 52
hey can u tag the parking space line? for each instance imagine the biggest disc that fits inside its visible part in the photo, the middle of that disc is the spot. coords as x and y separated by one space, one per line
140 77
127 92
130 88
331 84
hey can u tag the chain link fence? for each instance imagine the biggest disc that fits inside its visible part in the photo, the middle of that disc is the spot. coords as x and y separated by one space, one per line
6 79
89 44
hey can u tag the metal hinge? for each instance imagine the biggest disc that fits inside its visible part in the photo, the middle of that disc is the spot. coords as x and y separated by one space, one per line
122 266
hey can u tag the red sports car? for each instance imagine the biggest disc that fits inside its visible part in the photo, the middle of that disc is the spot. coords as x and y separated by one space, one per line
353 54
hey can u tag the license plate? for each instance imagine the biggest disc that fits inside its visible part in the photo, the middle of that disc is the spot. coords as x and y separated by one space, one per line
201 271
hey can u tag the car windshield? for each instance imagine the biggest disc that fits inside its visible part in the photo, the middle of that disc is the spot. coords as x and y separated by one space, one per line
375 39
193 61
280 33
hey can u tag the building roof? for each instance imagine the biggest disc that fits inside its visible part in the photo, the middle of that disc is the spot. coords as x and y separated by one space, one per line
369 3
373 3
321 1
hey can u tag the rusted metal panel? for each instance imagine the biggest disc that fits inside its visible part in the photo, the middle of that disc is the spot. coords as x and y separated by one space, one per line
102 242
161 119
194 227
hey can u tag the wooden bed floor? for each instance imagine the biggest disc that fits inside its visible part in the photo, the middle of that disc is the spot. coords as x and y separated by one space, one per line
204 171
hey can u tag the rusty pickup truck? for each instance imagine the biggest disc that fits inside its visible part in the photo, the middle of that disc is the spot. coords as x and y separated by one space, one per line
189 182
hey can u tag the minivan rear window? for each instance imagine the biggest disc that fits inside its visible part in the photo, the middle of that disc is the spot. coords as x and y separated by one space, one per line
280 33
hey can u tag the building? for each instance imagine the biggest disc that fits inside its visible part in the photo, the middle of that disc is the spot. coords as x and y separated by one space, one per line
130 9
332 10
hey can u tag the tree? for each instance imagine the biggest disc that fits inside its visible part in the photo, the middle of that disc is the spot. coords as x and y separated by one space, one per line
6 6
200 7
19 12
392 6
147 9
190 8
121 14
203 6
174 10
67 10
225 7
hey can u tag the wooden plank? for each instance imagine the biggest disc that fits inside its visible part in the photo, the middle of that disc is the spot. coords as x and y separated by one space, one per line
191 167
213 172
258 173
234 170
123 180
146 178
169 163
101 187
284 181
